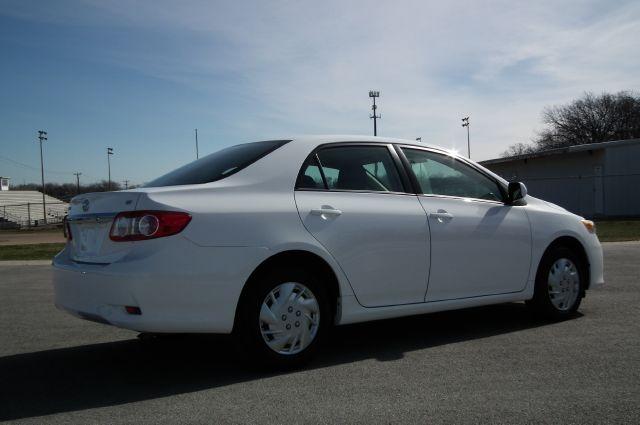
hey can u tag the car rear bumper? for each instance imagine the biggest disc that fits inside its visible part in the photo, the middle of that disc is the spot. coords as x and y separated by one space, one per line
178 287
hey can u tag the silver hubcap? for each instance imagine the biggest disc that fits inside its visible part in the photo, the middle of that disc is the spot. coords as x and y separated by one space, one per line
564 284
289 318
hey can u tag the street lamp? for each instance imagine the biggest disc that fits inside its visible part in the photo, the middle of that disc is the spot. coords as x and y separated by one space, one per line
373 94
465 123
109 153
42 136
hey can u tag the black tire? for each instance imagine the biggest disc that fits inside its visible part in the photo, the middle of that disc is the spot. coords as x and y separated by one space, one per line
542 303
247 332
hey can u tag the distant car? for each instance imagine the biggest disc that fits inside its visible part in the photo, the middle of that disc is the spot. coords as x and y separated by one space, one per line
277 241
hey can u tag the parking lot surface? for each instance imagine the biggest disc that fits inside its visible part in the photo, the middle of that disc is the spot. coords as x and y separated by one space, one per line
493 364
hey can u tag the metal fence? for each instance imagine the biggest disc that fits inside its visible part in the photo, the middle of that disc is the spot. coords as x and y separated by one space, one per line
31 214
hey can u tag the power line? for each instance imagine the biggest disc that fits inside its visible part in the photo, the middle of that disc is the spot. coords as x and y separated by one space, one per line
32 167
48 171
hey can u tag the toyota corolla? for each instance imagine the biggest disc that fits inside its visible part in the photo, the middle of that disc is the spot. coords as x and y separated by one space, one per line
278 241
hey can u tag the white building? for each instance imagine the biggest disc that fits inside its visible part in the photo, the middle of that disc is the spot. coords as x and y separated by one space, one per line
593 180
4 183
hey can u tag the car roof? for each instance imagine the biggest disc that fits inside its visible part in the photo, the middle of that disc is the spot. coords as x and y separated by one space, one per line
319 139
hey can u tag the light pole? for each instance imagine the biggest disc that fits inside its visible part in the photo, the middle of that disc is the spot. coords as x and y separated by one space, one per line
373 94
78 174
126 184
197 154
465 123
109 153
42 136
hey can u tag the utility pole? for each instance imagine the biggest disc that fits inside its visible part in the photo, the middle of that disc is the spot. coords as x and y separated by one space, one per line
109 153
42 136
197 153
78 174
373 94
465 123
126 184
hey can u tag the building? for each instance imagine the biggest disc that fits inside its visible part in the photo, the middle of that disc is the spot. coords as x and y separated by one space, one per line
4 183
592 180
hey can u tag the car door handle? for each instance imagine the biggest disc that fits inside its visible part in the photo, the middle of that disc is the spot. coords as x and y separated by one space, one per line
325 211
441 215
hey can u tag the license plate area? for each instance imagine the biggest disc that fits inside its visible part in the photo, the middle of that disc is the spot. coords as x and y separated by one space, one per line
89 235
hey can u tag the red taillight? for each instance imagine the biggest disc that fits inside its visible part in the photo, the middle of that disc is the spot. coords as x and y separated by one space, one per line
143 225
132 310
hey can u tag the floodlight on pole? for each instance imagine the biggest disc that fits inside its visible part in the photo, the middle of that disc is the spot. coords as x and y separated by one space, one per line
42 136
465 123
109 153
373 94
78 174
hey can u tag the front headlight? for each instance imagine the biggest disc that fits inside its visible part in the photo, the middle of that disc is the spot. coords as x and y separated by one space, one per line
589 225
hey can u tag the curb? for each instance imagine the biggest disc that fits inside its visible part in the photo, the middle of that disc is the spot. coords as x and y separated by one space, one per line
25 263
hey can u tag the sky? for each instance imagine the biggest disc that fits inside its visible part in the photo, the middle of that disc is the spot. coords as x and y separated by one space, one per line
140 76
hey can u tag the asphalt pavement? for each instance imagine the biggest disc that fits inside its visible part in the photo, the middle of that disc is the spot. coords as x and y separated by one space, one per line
493 364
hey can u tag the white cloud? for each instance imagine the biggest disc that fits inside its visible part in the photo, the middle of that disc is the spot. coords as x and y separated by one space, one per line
307 66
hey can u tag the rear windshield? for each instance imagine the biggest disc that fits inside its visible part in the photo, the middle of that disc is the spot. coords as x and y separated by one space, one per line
218 165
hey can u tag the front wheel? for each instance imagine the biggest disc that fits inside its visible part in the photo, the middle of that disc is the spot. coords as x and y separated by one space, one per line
559 284
283 317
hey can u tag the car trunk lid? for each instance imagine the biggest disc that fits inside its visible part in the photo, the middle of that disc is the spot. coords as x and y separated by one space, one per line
90 218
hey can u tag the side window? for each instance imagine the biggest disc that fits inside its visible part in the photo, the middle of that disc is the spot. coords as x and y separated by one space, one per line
310 177
367 168
440 174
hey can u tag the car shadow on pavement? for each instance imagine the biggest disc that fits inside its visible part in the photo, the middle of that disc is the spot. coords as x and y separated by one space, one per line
113 373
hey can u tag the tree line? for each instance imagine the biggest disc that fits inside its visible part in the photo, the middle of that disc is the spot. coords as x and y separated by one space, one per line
66 191
589 119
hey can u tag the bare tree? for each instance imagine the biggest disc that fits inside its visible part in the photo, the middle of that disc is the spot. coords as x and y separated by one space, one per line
590 119
518 149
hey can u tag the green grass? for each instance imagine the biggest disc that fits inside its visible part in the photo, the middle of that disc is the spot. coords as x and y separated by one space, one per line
32 230
616 231
40 251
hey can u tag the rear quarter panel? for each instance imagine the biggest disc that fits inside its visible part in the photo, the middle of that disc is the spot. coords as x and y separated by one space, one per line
253 208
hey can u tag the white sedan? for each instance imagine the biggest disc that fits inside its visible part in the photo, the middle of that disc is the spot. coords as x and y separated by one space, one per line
277 241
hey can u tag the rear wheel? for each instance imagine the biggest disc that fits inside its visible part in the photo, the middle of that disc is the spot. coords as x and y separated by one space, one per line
560 284
283 317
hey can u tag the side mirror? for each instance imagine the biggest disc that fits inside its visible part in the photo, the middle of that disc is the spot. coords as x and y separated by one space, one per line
517 191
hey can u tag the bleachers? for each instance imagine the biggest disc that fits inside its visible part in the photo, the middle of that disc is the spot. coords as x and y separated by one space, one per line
24 208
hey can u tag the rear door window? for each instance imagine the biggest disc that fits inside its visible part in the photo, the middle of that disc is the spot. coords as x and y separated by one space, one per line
358 168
